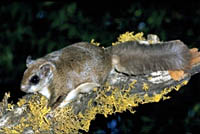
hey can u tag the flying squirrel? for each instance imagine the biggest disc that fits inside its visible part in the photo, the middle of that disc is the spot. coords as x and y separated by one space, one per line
78 68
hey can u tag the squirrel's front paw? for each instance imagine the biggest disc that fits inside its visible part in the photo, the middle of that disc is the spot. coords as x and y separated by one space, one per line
55 102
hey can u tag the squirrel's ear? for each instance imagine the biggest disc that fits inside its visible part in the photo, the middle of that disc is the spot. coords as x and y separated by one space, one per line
47 68
29 61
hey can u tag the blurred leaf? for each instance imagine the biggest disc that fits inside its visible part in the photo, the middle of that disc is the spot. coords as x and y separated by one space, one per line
59 18
6 58
71 9
64 27
48 3
15 9
196 108
138 12
146 119
146 129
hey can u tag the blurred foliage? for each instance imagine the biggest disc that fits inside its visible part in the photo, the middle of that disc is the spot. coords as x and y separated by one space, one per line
38 28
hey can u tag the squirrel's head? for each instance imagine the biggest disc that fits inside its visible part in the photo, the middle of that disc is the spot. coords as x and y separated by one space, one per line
37 76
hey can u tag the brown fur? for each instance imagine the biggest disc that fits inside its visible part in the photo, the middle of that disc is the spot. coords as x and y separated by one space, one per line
79 63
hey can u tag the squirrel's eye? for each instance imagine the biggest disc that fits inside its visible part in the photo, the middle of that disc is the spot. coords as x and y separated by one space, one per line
35 79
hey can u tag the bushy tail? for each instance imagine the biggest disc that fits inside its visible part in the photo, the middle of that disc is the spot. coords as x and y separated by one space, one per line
134 58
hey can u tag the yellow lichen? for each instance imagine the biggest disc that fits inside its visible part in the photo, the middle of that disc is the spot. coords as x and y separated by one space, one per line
131 85
7 95
157 97
94 43
35 118
129 36
177 87
39 111
10 107
185 82
166 97
145 86
21 102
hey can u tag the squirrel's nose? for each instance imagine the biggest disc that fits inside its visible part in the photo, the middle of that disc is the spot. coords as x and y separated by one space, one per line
23 88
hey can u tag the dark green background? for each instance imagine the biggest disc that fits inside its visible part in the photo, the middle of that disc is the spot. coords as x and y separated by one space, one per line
38 28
